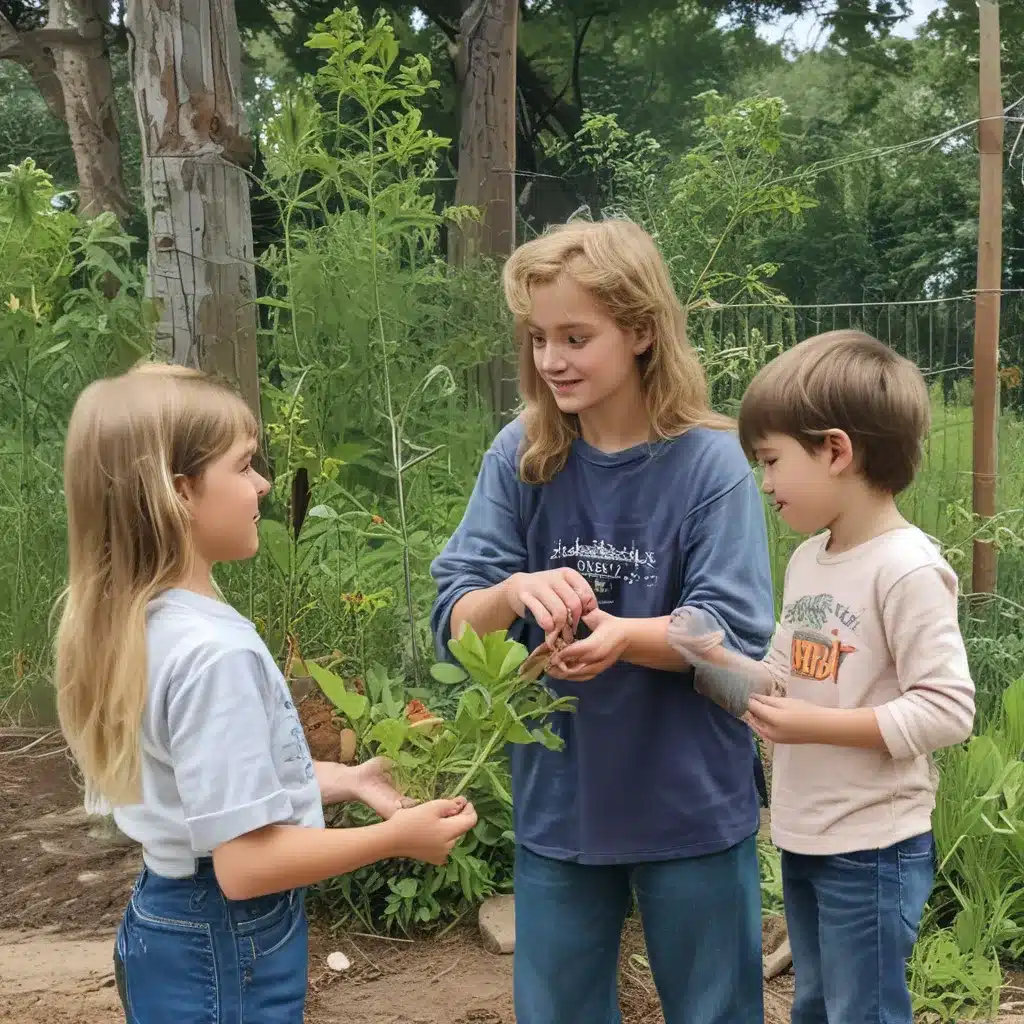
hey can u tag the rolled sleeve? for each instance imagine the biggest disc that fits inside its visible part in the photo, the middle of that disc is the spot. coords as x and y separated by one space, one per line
220 746
727 567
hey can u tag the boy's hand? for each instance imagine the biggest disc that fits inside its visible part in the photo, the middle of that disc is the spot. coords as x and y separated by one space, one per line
788 720
584 659
371 784
429 831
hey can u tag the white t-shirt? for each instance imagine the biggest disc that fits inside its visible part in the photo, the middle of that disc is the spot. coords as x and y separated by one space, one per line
223 752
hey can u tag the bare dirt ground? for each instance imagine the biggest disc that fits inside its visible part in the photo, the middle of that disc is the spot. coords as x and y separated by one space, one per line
64 881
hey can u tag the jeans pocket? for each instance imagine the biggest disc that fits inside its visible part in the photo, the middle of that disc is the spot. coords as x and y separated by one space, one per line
274 960
170 970
269 926
915 859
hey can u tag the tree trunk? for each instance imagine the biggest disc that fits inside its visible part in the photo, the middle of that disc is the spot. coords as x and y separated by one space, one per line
186 68
69 64
485 66
89 107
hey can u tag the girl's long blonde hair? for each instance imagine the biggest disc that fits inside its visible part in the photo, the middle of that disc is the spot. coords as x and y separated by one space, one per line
129 538
619 264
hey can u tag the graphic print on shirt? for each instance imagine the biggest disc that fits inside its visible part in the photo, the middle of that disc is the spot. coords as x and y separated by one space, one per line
606 567
295 748
815 654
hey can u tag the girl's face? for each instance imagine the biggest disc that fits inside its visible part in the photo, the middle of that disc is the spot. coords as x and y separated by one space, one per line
582 355
224 505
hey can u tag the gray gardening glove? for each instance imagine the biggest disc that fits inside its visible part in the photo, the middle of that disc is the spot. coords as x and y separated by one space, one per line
723 676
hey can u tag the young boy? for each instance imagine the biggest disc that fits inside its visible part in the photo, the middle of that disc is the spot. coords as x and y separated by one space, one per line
866 677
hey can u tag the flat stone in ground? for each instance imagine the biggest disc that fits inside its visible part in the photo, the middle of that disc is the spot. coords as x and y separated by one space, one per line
498 924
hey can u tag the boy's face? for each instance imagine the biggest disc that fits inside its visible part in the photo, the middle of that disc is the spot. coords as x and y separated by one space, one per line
802 484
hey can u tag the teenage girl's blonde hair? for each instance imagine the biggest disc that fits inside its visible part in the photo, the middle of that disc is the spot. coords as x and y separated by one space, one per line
617 262
129 538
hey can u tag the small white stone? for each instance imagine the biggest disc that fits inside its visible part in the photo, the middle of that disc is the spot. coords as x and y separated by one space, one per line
337 961
498 924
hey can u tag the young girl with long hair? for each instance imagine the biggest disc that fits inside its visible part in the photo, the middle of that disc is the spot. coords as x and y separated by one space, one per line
180 719
615 498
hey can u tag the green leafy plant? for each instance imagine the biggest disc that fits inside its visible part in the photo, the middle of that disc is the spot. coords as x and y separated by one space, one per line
488 700
949 984
435 756
976 912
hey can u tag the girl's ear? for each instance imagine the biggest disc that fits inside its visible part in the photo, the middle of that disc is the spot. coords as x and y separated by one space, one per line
185 488
643 338
840 451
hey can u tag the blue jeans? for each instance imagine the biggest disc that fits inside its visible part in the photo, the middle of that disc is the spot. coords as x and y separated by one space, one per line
185 953
853 921
702 923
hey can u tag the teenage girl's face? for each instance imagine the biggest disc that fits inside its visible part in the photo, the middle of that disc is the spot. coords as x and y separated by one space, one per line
225 505
578 350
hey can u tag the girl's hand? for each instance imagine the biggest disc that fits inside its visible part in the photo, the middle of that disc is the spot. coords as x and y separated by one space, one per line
371 784
584 659
429 831
556 597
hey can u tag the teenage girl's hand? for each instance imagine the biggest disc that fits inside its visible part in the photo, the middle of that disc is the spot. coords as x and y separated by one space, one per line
585 659
556 597
429 831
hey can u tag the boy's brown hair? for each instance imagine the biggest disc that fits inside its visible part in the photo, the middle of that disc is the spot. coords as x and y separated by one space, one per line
844 380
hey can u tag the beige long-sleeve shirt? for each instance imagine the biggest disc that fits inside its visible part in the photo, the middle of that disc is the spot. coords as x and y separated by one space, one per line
875 626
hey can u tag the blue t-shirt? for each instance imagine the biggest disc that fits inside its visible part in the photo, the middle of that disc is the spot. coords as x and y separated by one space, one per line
650 770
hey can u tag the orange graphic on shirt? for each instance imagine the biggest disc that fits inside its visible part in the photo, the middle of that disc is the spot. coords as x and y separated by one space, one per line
815 656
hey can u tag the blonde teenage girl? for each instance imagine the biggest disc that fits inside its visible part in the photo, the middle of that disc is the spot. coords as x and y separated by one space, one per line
615 498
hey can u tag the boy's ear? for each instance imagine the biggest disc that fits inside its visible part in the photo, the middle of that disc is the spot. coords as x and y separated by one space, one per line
840 451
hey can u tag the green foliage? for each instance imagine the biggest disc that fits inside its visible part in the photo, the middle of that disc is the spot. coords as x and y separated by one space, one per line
71 309
976 912
707 209
435 757
361 345
444 754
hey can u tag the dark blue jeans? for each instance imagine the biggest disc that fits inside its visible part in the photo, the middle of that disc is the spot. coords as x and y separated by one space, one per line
853 921
185 953
702 923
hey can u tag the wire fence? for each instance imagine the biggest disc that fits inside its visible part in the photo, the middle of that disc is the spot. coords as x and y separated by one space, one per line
938 335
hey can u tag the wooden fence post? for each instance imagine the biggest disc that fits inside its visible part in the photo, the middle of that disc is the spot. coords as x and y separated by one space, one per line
988 295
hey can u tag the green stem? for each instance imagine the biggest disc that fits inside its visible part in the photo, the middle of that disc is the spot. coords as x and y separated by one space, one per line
489 747
396 440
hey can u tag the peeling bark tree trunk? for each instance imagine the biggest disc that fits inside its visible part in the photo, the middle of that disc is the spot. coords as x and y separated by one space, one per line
89 108
485 66
186 68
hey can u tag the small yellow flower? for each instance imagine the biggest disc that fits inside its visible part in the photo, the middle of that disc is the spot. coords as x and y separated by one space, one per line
14 303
